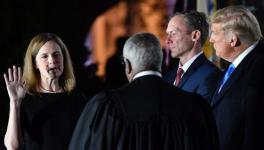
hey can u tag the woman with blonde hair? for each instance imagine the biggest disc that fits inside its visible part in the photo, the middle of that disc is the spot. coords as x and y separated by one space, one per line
44 104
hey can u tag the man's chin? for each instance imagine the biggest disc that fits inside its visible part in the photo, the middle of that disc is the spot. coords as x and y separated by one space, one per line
174 56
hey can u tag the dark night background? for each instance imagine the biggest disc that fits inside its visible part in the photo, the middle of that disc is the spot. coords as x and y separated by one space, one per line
20 20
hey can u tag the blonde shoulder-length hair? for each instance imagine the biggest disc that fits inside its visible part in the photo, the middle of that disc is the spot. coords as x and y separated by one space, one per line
32 76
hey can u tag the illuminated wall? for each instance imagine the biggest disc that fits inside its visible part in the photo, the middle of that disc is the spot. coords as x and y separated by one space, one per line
124 19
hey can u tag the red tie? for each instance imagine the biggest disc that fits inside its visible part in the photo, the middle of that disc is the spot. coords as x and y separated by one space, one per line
178 76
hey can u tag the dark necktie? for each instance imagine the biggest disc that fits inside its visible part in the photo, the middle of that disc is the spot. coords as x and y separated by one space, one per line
179 76
229 71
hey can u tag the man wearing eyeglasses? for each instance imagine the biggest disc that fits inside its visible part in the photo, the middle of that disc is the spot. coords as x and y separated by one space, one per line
148 113
186 34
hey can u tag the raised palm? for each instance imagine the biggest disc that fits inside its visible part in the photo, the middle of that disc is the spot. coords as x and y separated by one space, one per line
15 85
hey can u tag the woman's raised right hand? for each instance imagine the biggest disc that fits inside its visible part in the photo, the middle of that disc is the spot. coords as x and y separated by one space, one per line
15 85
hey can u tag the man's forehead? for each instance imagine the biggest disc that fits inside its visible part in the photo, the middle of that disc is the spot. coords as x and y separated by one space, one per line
176 26
216 26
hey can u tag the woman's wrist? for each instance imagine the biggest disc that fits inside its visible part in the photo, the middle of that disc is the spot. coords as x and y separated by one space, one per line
15 103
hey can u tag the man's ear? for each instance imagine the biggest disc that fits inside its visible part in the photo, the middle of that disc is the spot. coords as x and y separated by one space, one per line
128 70
196 34
234 41
128 66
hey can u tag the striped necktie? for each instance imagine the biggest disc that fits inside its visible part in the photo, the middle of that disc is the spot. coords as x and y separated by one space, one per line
180 71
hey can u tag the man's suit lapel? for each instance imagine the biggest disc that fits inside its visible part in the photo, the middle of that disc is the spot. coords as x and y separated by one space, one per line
194 66
173 75
232 79
238 72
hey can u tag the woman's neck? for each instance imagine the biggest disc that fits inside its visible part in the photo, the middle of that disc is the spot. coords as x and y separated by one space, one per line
50 90
50 86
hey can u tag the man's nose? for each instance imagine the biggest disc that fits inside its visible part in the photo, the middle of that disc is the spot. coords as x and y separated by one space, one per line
168 40
211 39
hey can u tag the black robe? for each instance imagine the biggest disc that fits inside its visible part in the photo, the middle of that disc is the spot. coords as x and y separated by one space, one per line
147 114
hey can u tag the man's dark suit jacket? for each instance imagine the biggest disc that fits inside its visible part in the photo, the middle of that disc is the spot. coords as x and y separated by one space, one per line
239 107
200 77
147 114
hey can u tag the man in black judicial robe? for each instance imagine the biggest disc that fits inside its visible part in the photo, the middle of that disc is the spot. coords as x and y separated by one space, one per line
148 113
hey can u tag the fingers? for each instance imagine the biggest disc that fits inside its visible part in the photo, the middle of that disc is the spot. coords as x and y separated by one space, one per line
14 74
10 75
19 74
6 79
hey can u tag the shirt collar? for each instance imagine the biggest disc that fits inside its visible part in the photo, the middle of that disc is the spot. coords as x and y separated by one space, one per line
148 72
238 60
189 62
